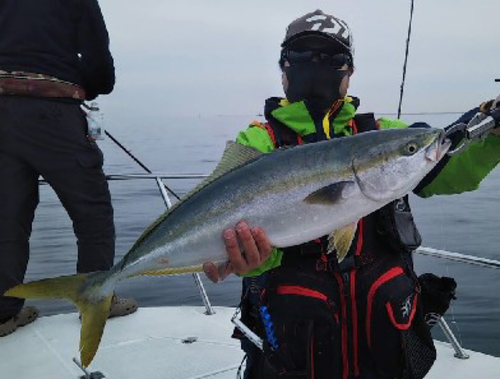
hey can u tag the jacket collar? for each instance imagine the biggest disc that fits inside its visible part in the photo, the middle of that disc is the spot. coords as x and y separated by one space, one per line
297 117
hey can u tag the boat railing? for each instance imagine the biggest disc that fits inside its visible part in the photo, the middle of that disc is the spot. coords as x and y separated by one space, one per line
443 254
462 258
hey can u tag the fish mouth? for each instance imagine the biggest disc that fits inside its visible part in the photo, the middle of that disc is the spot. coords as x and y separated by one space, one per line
438 148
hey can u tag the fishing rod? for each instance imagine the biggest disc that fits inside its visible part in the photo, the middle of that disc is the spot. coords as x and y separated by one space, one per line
407 52
476 129
138 161
94 107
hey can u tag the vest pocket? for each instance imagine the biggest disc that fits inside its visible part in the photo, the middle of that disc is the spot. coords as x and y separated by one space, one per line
391 308
303 311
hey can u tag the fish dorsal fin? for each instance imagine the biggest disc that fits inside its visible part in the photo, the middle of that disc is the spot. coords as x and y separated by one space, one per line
341 239
234 156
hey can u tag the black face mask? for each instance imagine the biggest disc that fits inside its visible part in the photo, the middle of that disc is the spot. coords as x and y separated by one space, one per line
316 83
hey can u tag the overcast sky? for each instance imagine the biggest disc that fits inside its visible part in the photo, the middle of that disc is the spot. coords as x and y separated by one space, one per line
213 57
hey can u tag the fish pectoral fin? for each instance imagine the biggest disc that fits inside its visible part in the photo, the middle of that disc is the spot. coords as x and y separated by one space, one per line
341 239
331 194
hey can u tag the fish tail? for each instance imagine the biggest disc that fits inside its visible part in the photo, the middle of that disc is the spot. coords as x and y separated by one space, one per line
87 292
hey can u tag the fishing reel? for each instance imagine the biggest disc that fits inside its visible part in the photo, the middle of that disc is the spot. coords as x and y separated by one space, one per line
476 129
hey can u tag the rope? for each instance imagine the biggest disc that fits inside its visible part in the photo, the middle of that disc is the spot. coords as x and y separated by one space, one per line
406 59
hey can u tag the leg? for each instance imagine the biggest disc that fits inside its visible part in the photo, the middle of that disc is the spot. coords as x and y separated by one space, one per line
53 137
84 193
75 173
19 194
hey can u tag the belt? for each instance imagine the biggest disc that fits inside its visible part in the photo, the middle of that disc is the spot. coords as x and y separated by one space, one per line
36 85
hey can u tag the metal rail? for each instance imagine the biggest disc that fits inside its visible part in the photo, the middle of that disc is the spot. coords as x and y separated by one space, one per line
461 258
457 257
154 176
459 351
201 288
118 177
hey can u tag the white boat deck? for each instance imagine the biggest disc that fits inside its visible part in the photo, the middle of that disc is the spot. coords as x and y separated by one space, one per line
149 345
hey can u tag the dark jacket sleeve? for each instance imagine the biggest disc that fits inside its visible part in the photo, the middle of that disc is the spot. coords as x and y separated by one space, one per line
96 62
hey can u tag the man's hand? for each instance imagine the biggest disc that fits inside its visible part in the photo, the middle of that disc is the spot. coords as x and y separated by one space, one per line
256 249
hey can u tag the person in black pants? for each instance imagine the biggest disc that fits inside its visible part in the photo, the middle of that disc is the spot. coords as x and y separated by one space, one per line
54 54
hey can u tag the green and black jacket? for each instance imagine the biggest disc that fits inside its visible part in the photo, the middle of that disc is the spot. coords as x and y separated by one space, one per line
461 173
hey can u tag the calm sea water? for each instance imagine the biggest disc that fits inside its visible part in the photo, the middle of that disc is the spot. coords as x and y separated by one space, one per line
467 223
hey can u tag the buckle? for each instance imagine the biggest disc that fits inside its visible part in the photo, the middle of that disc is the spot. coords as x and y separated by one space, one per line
348 263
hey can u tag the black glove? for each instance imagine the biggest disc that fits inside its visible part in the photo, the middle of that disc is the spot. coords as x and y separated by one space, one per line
437 294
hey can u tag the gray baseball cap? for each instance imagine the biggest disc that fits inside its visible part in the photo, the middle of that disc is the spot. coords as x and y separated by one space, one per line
317 30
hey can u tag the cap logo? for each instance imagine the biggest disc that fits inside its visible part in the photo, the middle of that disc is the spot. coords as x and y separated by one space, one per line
329 25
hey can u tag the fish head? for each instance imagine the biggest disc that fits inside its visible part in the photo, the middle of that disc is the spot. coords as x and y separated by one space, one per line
390 163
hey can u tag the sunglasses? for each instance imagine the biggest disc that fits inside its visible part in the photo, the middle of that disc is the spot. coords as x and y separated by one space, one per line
297 57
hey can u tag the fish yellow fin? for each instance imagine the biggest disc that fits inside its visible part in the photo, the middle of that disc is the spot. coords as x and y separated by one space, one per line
94 316
63 287
341 240
83 290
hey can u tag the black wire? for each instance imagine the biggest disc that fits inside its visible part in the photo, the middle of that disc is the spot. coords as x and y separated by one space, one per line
138 161
406 59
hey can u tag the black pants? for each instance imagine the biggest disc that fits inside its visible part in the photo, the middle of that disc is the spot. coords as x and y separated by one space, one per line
41 137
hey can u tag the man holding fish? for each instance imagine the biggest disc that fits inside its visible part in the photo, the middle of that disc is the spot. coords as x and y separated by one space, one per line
328 311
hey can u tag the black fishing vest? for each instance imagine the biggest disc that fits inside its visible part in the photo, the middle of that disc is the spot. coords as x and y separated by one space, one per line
321 319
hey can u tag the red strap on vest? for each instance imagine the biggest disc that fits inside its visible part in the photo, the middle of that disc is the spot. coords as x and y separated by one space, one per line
301 291
270 131
354 127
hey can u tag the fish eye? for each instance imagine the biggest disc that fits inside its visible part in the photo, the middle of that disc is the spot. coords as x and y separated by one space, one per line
411 148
